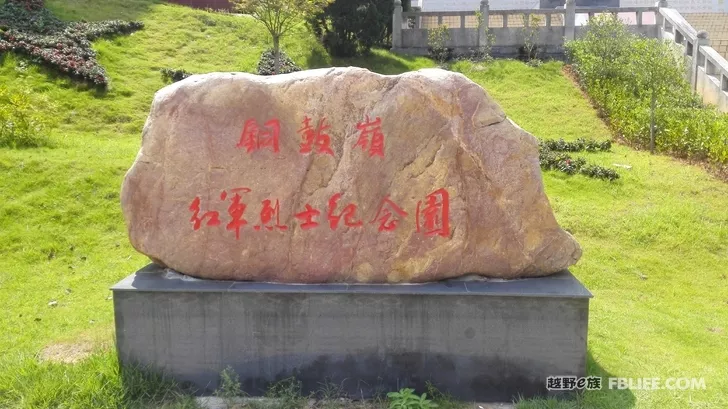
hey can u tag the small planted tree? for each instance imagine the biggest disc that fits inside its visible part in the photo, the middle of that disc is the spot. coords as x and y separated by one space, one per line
278 16
659 73
437 39
530 32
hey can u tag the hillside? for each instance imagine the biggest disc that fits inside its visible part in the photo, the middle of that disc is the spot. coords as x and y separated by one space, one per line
655 242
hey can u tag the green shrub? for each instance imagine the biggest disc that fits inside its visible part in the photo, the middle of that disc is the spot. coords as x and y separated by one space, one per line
437 48
639 86
174 74
23 119
350 27
406 399
28 28
266 65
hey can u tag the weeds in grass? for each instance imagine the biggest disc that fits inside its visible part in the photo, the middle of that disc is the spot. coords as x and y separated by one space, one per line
406 398
331 395
443 400
286 394
24 119
229 388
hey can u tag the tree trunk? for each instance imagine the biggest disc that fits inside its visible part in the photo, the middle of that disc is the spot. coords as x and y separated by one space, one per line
276 54
652 122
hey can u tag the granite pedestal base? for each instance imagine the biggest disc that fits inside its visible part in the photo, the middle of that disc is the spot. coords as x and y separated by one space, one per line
477 340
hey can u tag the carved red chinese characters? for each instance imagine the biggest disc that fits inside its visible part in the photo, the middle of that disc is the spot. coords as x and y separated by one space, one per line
340 175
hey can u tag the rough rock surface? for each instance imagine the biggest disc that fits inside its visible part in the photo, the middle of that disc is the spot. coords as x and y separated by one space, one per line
417 177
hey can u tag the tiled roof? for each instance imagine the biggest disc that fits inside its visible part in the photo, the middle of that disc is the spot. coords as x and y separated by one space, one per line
716 24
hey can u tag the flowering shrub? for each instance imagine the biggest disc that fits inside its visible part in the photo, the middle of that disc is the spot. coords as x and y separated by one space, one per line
29 4
64 46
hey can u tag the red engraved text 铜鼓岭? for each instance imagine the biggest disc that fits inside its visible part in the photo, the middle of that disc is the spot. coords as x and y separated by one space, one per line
255 137
371 136
315 137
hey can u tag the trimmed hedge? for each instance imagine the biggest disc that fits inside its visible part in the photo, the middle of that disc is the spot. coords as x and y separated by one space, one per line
622 73
266 65
552 156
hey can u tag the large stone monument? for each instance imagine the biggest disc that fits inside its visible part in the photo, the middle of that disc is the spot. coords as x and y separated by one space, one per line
347 182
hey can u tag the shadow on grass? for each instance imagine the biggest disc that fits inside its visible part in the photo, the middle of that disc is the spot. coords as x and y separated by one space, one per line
592 399
377 61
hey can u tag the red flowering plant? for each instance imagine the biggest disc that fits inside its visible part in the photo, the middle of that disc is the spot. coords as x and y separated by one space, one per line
29 4
553 156
35 32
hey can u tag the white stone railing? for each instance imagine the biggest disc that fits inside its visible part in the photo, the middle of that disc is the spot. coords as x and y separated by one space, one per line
708 70
468 29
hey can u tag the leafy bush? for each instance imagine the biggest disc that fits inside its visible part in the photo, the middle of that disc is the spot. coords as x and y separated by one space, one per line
437 39
23 119
174 74
350 27
66 47
640 86
406 399
266 65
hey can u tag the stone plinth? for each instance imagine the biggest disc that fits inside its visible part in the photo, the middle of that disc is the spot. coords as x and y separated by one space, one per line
478 340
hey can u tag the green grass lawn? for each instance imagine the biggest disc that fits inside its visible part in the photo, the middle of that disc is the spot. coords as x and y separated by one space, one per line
655 242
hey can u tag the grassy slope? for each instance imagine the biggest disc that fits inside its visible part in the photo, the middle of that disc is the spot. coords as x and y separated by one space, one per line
655 247
655 243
